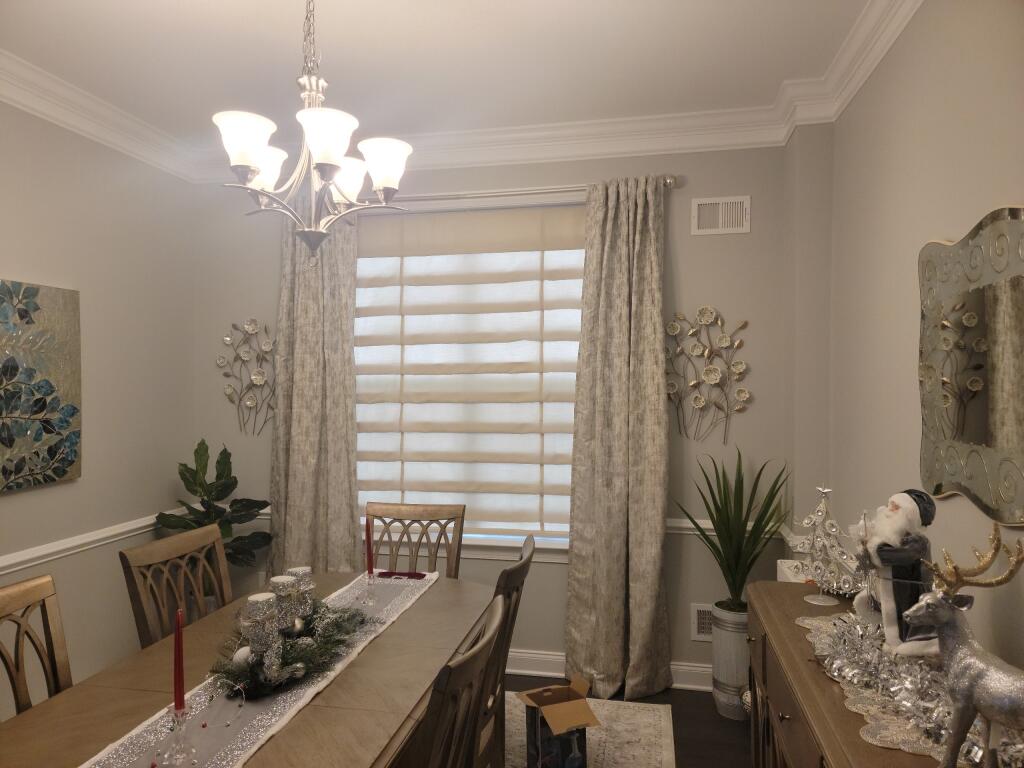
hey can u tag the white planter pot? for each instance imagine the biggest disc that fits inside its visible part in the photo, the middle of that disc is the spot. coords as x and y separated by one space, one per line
730 661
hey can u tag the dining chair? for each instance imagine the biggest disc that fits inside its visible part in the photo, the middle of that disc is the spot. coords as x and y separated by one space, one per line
491 749
409 529
187 570
448 732
18 603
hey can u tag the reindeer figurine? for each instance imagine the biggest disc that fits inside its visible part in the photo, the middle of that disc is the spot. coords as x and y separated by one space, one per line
978 682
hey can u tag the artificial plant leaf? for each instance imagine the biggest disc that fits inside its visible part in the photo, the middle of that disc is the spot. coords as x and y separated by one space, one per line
219 490
254 540
225 527
175 522
202 459
223 463
243 506
188 479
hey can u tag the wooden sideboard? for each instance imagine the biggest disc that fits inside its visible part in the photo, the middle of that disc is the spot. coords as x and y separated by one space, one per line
798 718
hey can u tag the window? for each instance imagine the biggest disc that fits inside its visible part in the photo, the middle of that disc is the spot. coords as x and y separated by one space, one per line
467 332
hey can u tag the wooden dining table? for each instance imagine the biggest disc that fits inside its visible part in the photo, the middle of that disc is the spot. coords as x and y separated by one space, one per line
361 719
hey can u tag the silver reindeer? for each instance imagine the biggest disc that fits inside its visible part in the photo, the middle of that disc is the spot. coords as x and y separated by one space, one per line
978 682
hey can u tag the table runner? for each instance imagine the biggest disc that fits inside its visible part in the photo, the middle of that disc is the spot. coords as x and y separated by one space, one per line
233 730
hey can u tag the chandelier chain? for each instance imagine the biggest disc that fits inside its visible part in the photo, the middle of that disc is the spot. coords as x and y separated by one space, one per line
310 55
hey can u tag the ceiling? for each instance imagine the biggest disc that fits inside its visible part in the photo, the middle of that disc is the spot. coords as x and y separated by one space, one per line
411 67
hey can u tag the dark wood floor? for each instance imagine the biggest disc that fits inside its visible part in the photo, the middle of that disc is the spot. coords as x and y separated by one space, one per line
702 736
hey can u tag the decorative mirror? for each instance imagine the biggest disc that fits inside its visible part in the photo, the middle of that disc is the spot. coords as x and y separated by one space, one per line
971 366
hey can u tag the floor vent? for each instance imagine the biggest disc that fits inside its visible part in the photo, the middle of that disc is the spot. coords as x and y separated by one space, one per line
700 622
720 215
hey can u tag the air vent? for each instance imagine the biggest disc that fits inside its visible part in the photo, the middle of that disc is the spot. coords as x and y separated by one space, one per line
700 622
720 215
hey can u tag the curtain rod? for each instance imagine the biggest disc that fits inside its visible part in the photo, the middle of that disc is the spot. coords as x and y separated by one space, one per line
669 182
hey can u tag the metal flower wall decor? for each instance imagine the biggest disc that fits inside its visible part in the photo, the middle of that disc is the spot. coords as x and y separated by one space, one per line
954 370
249 369
703 373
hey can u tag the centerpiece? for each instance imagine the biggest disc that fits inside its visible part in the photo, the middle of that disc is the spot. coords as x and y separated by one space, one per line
284 635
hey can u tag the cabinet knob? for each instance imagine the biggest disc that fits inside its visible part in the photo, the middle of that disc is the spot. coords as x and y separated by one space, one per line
750 639
783 717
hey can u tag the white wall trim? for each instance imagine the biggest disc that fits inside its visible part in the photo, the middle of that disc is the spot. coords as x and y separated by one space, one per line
798 102
36 91
687 675
54 550
547 551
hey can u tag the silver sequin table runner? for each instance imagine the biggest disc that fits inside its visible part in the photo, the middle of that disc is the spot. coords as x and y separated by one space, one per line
226 733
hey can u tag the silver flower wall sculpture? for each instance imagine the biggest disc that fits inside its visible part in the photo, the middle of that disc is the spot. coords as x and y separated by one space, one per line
248 368
704 374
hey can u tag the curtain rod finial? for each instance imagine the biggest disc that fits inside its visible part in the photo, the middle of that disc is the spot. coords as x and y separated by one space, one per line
669 182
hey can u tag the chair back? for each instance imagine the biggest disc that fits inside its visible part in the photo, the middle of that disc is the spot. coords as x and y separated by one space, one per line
492 719
413 531
187 570
18 604
453 713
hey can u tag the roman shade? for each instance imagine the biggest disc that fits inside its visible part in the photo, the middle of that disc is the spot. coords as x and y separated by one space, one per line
466 335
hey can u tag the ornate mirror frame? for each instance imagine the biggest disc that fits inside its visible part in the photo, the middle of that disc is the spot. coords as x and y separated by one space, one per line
992 252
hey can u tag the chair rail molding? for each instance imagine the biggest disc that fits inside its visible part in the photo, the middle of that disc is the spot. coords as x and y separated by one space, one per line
798 102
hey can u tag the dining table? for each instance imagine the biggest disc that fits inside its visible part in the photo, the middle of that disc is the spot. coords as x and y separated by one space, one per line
361 719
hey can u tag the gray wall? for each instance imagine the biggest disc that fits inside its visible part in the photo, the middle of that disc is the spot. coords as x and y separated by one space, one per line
929 146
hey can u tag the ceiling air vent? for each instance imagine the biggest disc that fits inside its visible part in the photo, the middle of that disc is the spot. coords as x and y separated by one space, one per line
720 215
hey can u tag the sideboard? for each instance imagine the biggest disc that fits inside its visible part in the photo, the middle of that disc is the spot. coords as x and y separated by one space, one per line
798 718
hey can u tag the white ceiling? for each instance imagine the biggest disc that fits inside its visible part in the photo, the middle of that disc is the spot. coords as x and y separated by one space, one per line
409 67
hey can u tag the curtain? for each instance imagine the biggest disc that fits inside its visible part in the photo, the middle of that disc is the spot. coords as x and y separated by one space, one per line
1004 318
617 623
313 473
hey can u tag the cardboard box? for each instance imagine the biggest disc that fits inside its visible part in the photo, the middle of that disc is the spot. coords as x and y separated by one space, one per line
556 721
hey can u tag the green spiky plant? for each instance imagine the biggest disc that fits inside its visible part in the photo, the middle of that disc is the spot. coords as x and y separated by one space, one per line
742 524
239 550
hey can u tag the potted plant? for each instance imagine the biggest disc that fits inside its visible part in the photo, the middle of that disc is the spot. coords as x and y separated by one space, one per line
239 550
742 524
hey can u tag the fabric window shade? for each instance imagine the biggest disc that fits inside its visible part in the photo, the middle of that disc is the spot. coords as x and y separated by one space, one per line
467 332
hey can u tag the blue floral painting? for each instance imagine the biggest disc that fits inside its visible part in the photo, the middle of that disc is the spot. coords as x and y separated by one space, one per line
40 386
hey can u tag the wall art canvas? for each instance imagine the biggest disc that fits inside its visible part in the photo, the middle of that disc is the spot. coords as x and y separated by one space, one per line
40 386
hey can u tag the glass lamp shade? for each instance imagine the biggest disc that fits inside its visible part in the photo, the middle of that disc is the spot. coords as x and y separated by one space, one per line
350 178
269 165
385 160
245 136
328 133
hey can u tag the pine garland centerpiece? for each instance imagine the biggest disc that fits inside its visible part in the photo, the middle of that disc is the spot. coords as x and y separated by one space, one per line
283 636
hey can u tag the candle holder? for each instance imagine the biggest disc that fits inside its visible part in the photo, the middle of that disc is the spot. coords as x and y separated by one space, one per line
367 598
179 749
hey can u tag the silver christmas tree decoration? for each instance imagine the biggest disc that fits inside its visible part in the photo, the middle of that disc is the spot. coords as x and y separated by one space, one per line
832 567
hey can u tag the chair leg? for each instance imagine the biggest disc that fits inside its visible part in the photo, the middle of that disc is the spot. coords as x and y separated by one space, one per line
498 736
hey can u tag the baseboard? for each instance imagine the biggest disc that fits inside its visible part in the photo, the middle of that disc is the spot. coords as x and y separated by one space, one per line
686 675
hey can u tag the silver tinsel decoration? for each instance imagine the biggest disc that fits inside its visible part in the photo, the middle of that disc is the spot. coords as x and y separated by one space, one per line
286 590
910 691
304 577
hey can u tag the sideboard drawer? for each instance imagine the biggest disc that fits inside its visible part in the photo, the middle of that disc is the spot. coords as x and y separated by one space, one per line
756 641
791 729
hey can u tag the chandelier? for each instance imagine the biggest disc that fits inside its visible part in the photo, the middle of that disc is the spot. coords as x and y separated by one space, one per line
332 178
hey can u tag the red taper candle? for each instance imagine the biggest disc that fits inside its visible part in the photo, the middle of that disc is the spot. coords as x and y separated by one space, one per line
179 669
369 546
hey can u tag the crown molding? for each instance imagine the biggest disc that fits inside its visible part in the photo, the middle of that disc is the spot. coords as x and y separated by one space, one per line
798 102
36 91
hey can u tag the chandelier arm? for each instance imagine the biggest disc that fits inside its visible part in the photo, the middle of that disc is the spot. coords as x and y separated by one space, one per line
327 222
288 190
283 211
279 205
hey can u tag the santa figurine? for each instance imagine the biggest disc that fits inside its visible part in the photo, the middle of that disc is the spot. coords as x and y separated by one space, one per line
893 545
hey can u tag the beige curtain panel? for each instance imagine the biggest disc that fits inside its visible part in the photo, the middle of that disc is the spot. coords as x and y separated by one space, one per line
617 624
313 473
466 335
